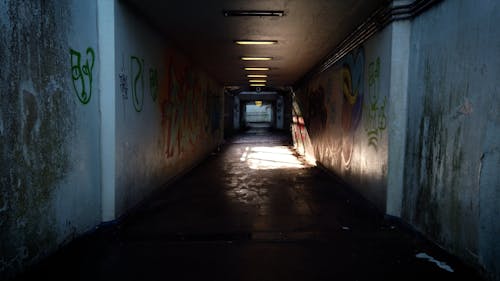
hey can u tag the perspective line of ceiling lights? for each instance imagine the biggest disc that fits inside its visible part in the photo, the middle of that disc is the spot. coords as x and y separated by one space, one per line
261 82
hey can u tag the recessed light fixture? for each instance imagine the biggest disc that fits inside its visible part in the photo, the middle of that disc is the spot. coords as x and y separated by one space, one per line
257 85
257 68
257 75
254 13
256 58
255 42
257 81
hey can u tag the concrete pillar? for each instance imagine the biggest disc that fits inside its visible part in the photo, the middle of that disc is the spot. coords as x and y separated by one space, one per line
236 113
107 92
279 112
398 110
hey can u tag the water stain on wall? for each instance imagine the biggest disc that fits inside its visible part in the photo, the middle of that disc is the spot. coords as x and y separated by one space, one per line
36 122
436 200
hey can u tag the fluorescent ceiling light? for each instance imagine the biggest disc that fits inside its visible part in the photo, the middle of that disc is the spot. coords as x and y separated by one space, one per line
257 85
257 75
256 42
256 58
257 81
257 68
242 13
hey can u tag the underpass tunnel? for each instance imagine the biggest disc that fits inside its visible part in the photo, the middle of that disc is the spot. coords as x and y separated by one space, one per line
249 140
271 109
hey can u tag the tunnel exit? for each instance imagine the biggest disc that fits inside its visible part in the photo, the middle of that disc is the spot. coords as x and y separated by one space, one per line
270 109
259 112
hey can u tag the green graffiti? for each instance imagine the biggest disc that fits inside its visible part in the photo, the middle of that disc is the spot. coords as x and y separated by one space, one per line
138 82
376 120
153 83
82 74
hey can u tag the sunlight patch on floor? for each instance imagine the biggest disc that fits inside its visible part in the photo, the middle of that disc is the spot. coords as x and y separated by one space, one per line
271 157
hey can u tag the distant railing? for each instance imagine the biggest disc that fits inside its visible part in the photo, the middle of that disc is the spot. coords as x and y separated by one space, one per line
258 117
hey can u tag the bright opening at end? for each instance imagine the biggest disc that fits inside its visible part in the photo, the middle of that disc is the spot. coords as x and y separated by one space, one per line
273 157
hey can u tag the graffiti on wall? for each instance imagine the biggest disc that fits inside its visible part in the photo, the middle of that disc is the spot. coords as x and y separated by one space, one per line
153 83
214 112
317 113
375 106
352 74
123 84
137 74
81 73
190 109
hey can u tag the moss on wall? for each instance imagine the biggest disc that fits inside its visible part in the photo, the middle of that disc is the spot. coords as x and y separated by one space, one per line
36 126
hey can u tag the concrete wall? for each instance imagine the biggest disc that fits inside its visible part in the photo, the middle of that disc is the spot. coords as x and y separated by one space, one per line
345 110
451 184
156 117
420 137
49 127
169 114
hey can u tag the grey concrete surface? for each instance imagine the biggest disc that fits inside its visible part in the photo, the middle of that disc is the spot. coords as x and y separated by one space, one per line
252 211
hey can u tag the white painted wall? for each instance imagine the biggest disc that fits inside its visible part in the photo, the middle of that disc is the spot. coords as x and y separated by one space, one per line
397 114
106 31
159 133
139 159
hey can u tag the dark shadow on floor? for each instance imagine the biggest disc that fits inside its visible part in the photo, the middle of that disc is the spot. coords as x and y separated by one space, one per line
253 211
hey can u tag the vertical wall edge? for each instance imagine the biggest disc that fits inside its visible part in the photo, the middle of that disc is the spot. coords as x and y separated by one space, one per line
398 110
106 39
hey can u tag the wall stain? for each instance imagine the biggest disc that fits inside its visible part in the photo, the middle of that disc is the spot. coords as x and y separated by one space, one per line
36 121
435 200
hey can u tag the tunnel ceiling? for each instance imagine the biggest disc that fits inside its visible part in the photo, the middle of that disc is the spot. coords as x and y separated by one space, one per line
305 34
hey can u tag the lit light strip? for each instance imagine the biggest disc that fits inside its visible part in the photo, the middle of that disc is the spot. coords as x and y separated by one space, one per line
257 75
257 68
256 58
257 85
256 42
257 81
253 13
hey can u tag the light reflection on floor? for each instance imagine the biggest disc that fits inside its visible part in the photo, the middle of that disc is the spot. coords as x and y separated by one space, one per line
271 157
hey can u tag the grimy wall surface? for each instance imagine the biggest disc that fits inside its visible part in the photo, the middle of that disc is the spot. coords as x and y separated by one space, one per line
345 112
451 184
421 99
57 120
49 134
169 114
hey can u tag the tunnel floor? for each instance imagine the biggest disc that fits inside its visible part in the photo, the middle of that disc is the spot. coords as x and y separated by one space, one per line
252 211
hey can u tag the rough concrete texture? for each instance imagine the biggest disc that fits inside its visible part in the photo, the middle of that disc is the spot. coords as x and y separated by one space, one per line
345 110
451 192
252 212
48 185
169 114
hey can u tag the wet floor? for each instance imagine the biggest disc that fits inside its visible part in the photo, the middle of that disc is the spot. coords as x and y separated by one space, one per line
253 211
